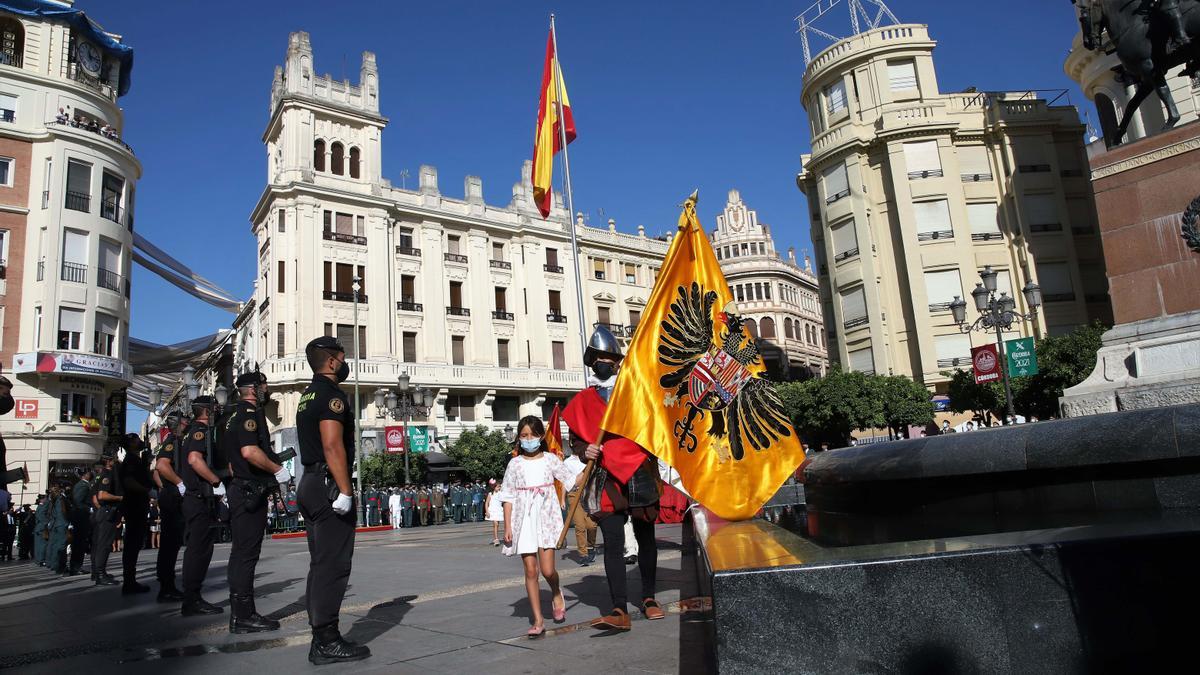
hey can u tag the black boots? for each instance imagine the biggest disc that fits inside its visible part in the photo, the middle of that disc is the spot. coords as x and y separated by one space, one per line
104 579
196 606
243 618
328 646
133 588
167 592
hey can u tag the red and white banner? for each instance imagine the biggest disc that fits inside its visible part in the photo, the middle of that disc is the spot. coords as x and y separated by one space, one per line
986 361
27 409
394 439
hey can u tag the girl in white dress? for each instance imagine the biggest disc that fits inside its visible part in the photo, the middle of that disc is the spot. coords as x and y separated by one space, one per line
532 517
495 511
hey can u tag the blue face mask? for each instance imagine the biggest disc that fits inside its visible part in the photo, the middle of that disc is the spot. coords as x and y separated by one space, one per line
531 445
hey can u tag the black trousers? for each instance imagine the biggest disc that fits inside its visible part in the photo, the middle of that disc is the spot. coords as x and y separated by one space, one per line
200 537
330 547
104 531
81 538
134 539
170 513
247 527
613 528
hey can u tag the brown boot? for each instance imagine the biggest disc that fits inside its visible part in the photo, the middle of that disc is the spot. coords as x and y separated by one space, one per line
618 619
652 609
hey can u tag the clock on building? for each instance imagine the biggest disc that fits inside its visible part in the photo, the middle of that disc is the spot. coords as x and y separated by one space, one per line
89 58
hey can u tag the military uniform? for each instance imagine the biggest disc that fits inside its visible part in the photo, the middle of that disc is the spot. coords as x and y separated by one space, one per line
330 534
199 512
437 504
56 543
249 491
81 523
40 532
423 506
104 526
170 514
408 501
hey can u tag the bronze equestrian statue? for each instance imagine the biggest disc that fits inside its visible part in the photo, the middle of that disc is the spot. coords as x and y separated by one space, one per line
1150 37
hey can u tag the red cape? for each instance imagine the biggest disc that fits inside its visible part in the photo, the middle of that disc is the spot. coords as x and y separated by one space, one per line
621 456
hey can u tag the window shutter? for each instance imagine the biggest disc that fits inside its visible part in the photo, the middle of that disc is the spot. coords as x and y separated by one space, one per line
8 102
862 361
923 158
952 350
345 223
941 287
854 305
844 239
933 218
75 247
902 75
973 162
110 256
79 178
836 181
70 320
106 324
984 218
835 97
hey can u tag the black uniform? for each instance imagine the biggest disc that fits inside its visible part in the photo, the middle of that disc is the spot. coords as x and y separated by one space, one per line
81 522
170 513
198 511
104 523
135 505
248 494
330 536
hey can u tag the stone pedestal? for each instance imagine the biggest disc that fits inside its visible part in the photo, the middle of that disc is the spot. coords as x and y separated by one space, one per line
1152 356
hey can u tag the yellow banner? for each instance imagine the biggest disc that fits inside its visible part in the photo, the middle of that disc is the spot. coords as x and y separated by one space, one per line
691 392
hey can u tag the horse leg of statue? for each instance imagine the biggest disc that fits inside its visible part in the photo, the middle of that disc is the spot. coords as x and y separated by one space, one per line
1174 17
1164 94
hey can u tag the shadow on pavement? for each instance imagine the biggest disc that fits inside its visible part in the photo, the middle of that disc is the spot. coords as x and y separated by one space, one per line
380 619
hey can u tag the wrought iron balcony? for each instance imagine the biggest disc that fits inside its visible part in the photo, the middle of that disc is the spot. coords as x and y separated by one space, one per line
78 201
108 279
500 264
833 198
502 315
110 211
854 323
932 236
1034 168
976 177
555 317
939 306
339 296
408 305
345 238
928 173
616 328
954 362
845 255
1046 227
74 272
455 257
557 269
1058 297
408 250
458 311
986 236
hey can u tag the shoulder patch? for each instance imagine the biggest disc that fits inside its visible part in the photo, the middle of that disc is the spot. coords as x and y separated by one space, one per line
250 425
104 481
198 436
169 447
336 405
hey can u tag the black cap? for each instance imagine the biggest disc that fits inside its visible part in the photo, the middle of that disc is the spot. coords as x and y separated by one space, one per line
327 342
250 379
5 382
205 401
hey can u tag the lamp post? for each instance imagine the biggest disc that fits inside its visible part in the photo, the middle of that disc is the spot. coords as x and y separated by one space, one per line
996 313
191 388
509 433
357 409
154 395
410 401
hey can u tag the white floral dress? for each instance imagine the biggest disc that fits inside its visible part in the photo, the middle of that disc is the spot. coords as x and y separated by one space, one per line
537 520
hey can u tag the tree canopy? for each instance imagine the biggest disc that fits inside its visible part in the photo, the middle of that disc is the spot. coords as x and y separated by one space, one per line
483 454
829 409
387 468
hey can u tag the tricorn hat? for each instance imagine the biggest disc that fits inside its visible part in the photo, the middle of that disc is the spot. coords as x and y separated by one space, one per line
602 343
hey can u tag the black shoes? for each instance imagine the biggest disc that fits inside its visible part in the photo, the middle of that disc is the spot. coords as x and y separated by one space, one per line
106 580
328 646
244 618
134 587
631 560
199 607
169 593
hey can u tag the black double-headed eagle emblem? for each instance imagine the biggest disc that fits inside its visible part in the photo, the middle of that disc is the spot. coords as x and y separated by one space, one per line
712 376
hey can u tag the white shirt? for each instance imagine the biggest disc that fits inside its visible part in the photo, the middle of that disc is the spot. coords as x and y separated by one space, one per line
575 465
394 503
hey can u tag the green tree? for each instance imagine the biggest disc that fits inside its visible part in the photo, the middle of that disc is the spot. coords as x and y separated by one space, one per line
481 453
1063 362
905 402
828 409
984 401
387 468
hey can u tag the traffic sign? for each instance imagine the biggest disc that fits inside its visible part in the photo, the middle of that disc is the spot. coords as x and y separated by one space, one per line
986 361
1022 357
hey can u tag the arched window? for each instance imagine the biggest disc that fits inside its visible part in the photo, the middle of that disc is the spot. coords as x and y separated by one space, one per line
787 329
319 155
337 159
767 326
354 162
752 326
12 42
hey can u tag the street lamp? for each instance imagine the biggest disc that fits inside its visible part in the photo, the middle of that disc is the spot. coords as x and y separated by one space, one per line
356 287
402 407
996 313
509 433
155 394
191 388
222 395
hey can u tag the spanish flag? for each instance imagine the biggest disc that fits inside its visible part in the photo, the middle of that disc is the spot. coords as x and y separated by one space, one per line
548 139
554 432
691 391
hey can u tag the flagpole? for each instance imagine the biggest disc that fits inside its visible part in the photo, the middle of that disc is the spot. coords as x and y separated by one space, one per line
562 131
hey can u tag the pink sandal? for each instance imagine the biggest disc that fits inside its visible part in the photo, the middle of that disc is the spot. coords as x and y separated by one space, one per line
560 615
536 632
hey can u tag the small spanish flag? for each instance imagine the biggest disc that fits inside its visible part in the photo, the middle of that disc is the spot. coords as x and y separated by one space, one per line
554 432
548 139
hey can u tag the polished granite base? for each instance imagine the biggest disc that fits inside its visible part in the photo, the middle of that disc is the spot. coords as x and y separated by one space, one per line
1118 597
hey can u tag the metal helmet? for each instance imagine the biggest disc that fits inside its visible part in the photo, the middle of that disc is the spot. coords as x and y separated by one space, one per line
602 343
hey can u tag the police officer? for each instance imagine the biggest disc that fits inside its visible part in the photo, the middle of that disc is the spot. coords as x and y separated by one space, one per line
170 506
201 490
104 520
81 520
325 428
255 469
135 505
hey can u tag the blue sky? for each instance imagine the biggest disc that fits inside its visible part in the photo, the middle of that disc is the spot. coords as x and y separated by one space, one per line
668 96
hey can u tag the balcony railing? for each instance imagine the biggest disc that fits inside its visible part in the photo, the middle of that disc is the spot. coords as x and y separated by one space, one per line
500 264
939 307
14 60
555 317
74 272
458 311
1083 229
78 201
615 328
931 236
108 279
1046 227
986 236
1096 297
110 211
557 269
340 296
408 250
954 362
454 257
264 306
7 115
844 255
1058 297
928 173
1071 173
1034 168
407 305
502 315
854 323
833 198
346 238
976 177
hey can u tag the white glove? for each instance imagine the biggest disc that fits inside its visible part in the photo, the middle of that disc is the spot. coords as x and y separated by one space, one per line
342 504
283 475
182 488
120 454
219 490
